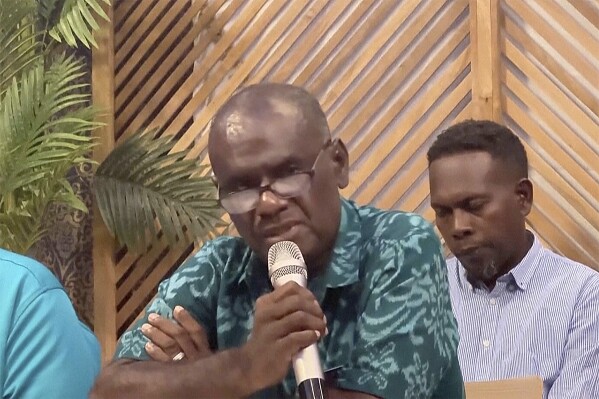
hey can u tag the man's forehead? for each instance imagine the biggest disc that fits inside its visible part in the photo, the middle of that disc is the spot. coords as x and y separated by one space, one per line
253 119
468 175
458 166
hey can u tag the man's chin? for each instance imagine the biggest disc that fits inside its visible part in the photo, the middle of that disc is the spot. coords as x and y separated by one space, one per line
482 274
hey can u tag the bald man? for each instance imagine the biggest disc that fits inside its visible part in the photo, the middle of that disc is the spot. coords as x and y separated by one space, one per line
377 302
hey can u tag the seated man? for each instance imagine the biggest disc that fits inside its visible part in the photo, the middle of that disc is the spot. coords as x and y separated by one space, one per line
521 309
45 351
379 277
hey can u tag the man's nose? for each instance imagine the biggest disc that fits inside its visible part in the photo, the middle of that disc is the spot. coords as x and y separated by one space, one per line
462 226
270 203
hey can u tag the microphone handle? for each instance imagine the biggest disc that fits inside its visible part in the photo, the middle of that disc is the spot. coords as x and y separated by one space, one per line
312 388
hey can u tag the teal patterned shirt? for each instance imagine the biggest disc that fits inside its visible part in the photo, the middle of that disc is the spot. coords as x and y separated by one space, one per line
385 294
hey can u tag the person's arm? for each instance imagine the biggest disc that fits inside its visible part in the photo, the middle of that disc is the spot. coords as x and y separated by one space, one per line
579 375
221 375
184 334
285 321
50 353
406 336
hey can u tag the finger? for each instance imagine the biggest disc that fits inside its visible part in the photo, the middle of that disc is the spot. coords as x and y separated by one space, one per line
297 341
167 326
160 339
296 322
157 353
293 303
195 330
174 331
290 288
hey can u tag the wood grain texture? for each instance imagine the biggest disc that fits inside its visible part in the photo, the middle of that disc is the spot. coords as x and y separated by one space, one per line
390 76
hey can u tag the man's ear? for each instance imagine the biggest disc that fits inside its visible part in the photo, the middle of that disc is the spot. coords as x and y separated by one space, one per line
524 193
341 163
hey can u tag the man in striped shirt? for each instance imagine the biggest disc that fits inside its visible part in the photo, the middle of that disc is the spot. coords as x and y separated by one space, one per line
521 309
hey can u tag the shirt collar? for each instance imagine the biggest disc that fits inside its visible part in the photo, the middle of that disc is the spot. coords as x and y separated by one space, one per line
524 270
343 269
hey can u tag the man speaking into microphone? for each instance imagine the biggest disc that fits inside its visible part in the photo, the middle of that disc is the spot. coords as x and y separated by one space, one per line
376 304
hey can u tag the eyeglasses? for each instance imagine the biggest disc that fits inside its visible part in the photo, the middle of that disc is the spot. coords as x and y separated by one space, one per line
289 186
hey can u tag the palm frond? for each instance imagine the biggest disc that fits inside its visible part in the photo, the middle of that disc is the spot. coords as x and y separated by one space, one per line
141 182
41 139
18 40
45 118
37 126
19 232
21 218
76 21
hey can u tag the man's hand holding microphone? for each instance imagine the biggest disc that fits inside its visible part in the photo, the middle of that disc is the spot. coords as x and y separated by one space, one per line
286 321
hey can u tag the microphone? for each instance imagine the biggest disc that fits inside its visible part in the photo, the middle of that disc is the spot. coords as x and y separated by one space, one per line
286 263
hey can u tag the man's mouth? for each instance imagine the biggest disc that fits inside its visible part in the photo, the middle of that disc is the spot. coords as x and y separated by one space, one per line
282 232
468 252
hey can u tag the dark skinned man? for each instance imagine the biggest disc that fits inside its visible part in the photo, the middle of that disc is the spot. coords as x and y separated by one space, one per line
378 277
522 309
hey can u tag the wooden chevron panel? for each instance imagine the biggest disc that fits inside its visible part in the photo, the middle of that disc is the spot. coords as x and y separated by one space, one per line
550 95
367 74
390 75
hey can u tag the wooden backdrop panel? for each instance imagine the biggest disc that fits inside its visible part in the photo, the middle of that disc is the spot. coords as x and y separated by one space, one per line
550 96
390 76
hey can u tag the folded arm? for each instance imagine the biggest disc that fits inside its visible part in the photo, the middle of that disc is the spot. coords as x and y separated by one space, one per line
222 375
285 321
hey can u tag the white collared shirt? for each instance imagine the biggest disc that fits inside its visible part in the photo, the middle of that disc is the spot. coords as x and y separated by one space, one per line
541 318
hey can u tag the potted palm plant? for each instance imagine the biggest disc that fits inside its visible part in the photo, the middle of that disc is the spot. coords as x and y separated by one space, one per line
45 120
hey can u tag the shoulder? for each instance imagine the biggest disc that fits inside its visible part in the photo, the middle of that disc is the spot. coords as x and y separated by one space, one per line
401 243
24 276
572 273
391 224
38 305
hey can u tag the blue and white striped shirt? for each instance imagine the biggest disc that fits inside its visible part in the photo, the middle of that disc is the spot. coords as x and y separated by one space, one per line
541 318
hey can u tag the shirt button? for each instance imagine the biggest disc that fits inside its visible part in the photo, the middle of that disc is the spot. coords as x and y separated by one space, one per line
492 301
486 343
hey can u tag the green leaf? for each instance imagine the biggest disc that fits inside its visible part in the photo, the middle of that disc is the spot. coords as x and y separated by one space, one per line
76 22
41 138
140 183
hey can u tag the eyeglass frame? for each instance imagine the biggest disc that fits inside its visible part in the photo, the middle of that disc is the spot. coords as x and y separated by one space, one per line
267 187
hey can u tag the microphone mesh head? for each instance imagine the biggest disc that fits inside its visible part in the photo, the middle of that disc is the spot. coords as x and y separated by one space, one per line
286 249
285 258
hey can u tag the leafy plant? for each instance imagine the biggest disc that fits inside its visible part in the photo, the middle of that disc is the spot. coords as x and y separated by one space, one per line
45 116
75 21
141 180
45 131
38 148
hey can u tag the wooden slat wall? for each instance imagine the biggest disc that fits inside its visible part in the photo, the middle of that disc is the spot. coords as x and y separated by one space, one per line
550 95
389 74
